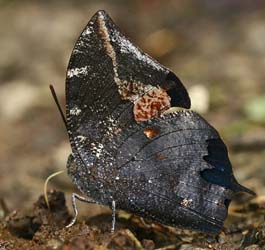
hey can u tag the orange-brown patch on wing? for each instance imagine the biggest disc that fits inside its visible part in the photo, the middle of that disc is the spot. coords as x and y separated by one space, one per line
151 104
151 132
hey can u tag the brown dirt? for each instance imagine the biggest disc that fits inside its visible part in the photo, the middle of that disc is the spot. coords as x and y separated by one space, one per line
42 228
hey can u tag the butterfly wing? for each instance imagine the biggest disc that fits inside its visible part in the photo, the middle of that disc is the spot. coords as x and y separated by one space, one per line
106 75
157 172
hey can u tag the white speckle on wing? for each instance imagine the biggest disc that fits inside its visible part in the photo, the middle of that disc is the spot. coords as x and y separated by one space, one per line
79 47
87 31
77 72
81 138
75 111
97 149
111 126
186 202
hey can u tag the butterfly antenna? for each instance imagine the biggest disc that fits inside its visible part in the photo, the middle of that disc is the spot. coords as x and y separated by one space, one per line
58 105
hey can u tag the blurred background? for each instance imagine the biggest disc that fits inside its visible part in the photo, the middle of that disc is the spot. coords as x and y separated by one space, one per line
217 48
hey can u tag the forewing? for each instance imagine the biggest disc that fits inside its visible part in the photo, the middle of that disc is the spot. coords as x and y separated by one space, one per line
106 77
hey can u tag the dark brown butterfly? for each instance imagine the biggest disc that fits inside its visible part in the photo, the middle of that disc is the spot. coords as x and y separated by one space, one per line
128 151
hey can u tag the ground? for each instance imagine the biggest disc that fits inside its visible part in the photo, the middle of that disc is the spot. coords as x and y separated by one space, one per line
43 228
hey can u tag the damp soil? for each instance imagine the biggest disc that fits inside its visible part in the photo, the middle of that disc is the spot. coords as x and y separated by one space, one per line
43 228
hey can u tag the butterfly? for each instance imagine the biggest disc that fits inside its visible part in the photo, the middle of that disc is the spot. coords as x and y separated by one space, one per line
129 151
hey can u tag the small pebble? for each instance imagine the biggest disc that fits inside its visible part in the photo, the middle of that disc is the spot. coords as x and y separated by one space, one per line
200 99
54 244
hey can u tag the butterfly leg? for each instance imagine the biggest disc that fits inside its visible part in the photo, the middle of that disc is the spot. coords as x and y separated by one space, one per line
113 207
80 198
